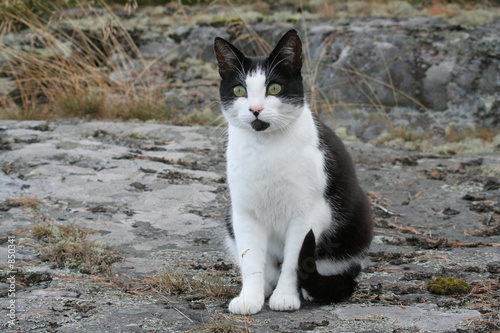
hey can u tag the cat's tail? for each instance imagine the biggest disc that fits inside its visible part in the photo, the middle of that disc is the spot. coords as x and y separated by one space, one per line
317 287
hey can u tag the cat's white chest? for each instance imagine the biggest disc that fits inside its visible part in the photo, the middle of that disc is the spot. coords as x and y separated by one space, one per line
276 178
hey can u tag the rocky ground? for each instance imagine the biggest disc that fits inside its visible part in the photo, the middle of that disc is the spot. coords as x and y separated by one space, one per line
155 193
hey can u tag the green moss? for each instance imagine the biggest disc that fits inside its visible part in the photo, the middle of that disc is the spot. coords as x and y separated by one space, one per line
235 19
342 133
448 286
138 136
218 21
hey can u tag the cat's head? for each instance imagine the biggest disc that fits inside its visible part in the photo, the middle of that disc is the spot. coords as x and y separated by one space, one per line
261 93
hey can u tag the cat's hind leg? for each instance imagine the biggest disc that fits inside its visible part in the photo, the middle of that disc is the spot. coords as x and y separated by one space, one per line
338 282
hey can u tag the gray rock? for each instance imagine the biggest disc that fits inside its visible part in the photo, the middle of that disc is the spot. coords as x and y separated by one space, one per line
159 48
426 317
435 83
200 42
415 63
165 206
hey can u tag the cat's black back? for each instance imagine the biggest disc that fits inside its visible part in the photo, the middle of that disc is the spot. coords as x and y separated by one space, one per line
351 233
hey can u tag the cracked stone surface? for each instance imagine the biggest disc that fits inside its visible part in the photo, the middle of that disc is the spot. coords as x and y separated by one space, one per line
156 194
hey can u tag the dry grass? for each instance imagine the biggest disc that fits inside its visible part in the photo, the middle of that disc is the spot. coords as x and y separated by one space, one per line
405 135
172 280
448 9
67 246
215 286
25 202
64 245
69 75
177 281
455 134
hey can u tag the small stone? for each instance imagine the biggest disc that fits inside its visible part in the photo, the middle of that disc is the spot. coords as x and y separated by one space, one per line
406 161
435 174
493 268
98 209
140 186
202 240
492 184
197 306
448 211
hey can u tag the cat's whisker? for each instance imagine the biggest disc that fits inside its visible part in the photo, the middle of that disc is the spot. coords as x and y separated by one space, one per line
218 121
282 122
222 129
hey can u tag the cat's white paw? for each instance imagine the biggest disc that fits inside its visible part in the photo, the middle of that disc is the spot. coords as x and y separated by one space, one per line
284 301
246 305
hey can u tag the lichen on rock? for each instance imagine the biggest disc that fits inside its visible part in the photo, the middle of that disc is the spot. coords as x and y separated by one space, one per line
448 286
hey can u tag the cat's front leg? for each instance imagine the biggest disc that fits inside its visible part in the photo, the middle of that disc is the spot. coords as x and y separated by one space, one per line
251 244
286 295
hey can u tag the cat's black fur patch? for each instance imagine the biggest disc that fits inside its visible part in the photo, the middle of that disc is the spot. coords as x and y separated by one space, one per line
259 125
229 220
350 233
353 231
324 289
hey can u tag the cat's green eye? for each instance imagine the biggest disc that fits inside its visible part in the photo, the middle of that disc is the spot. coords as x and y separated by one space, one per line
239 91
274 89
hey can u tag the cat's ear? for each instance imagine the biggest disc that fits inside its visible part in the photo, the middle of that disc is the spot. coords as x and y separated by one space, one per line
230 59
288 51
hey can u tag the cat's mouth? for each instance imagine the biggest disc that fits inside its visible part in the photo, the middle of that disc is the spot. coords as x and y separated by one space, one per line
259 125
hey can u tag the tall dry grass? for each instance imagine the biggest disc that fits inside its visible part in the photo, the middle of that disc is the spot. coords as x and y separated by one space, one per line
75 73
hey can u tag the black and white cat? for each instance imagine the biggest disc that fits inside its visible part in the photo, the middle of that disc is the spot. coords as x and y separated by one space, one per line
299 223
